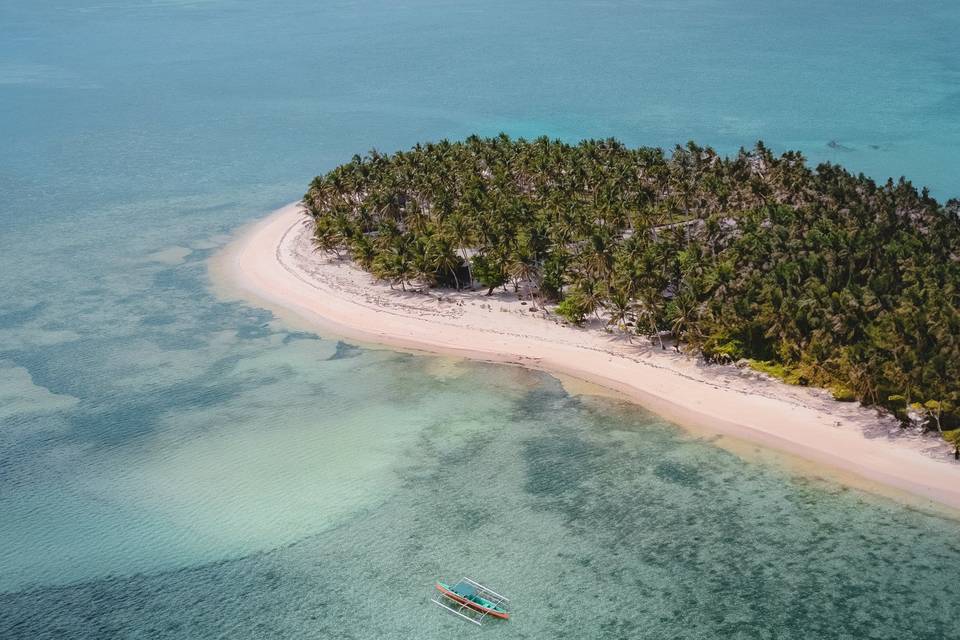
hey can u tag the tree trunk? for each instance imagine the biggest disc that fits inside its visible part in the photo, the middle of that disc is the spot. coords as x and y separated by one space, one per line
467 262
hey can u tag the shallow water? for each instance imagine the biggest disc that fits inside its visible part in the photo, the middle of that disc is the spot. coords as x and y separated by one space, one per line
172 465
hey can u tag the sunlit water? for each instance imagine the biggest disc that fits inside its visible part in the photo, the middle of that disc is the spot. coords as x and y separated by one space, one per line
172 465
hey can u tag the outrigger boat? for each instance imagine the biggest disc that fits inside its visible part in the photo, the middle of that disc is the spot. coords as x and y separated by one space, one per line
471 600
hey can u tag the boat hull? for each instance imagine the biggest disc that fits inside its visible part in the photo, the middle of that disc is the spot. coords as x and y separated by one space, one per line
470 603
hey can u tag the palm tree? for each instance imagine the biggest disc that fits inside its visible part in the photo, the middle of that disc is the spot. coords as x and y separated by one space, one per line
685 317
620 307
648 309
327 237
443 258
458 226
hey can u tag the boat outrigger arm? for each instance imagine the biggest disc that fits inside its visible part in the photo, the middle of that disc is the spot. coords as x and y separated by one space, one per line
471 601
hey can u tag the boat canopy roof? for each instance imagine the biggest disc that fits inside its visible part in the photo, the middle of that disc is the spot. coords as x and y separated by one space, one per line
464 589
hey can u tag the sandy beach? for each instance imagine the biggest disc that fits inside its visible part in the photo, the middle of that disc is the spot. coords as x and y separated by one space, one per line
272 263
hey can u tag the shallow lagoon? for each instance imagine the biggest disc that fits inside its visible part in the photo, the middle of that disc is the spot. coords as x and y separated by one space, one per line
601 520
172 465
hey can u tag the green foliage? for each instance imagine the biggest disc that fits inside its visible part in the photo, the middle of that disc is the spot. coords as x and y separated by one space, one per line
722 349
937 406
774 369
489 271
574 308
554 274
819 276
842 393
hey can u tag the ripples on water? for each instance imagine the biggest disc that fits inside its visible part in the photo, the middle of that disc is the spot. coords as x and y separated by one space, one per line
599 520
172 465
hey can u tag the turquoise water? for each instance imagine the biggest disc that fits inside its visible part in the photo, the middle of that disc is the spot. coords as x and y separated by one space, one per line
172 465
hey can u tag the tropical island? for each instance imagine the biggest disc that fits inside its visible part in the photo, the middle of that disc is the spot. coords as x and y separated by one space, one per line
693 284
818 277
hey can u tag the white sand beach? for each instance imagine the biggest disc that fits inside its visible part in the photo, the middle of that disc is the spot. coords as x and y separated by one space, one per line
272 263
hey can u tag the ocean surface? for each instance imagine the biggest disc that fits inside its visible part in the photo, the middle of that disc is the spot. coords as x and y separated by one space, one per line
177 466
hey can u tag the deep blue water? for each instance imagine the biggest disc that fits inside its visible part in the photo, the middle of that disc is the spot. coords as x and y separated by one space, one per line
172 465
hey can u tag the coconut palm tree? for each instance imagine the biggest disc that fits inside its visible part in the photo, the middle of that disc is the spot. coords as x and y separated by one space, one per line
443 258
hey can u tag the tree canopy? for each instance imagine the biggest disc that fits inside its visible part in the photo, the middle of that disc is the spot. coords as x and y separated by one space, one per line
818 276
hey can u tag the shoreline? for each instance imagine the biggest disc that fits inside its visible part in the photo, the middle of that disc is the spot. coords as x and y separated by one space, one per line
270 263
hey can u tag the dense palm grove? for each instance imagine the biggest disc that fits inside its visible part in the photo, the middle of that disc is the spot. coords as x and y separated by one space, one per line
817 276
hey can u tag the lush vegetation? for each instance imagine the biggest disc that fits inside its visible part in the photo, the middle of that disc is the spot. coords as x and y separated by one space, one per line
818 276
